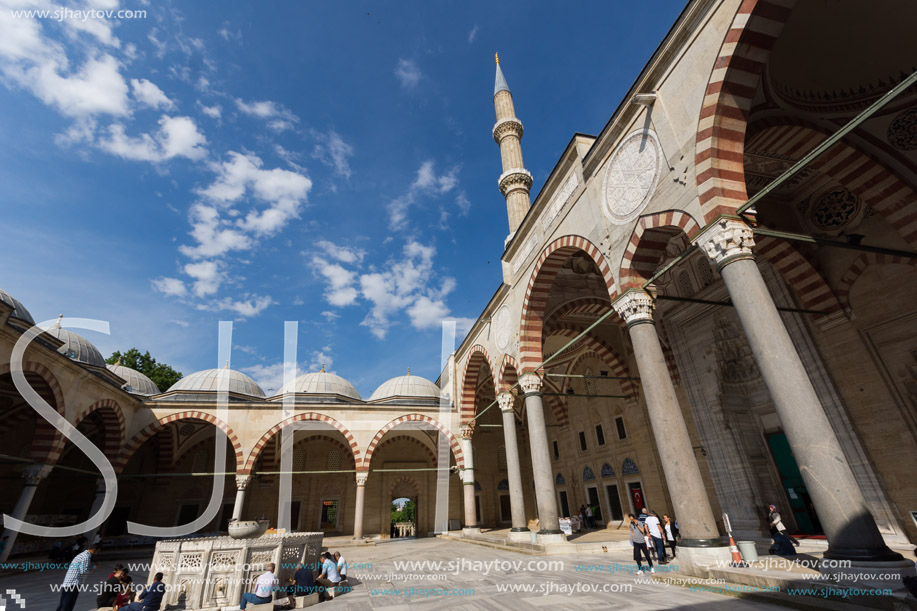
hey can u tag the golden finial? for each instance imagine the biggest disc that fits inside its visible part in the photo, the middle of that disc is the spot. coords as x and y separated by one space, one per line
118 362
409 371
323 368
57 324
226 366
497 57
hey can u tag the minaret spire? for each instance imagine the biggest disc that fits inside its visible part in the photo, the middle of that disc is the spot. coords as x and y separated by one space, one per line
516 181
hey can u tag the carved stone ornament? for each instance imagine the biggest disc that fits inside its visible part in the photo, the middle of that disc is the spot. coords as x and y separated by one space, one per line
502 327
635 307
506 401
630 177
506 127
467 432
242 481
530 382
362 476
726 240
515 179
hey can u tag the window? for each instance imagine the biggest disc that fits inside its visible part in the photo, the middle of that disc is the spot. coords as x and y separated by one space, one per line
299 459
501 458
334 460
590 383
706 274
582 441
684 284
556 451
199 463
599 435
622 432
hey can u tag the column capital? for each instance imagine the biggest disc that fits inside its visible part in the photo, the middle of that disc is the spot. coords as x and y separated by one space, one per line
361 477
506 400
33 474
635 307
242 481
467 432
725 240
530 382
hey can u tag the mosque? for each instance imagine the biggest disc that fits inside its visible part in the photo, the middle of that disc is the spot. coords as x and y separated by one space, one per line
709 307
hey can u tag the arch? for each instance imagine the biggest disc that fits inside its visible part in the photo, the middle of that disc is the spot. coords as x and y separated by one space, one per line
453 443
649 238
313 416
402 481
151 429
605 352
113 421
734 78
857 268
809 285
477 356
413 440
539 289
583 305
46 440
509 373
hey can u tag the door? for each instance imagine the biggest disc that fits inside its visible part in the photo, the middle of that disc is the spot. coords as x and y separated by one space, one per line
117 522
614 502
593 494
506 514
636 496
564 504
791 479
187 513
477 510
329 515
294 516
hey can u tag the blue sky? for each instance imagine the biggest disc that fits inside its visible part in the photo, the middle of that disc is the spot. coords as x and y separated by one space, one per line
326 162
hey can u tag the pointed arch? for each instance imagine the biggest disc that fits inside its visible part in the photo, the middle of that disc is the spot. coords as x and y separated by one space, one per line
857 268
477 356
113 421
306 416
808 284
46 440
539 288
605 352
453 443
646 247
591 306
509 373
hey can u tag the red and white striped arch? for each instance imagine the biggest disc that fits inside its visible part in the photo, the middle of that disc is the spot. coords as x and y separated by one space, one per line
605 352
509 373
113 422
646 247
408 418
539 289
808 284
734 78
857 268
46 440
305 416
477 358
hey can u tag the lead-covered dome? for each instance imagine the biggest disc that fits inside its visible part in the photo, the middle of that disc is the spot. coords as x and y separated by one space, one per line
412 387
136 382
321 383
76 347
206 380
19 310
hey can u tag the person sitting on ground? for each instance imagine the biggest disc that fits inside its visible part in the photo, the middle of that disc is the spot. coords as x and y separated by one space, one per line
127 591
654 530
341 564
111 588
637 540
264 588
151 598
330 578
776 524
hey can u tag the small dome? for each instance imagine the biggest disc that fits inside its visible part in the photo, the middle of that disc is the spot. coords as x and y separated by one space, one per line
207 381
19 310
407 386
321 383
75 346
137 383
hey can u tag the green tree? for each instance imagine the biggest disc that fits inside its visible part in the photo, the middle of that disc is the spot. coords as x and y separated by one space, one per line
163 375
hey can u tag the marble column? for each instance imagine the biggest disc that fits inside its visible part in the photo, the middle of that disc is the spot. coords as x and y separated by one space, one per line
679 465
242 482
33 475
519 530
471 520
851 530
545 498
96 504
361 478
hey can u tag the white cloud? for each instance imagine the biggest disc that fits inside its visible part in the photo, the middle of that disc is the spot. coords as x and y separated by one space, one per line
207 277
341 290
214 236
426 183
148 94
344 254
176 137
172 287
227 34
408 73
278 117
249 305
330 316
214 112
271 377
97 88
334 152
472 34
426 313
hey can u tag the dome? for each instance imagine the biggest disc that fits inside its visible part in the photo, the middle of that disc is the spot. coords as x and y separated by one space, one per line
322 383
75 346
407 386
207 381
137 383
19 310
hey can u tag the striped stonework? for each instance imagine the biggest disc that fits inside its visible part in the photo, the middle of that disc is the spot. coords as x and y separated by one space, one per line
404 479
811 289
113 420
591 307
539 289
147 432
509 373
733 81
311 416
859 266
646 247
453 443
404 438
477 357
166 449
557 405
605 352
46 440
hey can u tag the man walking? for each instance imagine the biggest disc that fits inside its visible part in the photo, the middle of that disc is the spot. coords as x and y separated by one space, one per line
70 588
654 530
637 534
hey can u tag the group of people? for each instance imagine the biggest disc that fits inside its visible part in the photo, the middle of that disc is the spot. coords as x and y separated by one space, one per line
586 516
332 573
117 592
649 536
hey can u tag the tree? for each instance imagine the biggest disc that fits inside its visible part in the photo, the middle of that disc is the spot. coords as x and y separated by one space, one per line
163 375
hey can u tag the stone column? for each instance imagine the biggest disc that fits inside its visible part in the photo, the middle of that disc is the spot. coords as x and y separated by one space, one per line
850 528
242 482
361 478
519 531
471 520
541 460
96 504
33 474
682 474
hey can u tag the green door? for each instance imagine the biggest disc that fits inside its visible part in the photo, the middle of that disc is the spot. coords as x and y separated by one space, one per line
791 480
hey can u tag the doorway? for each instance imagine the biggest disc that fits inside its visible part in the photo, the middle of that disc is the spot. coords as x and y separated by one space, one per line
564 504
506 513
793 485
330 513
614 502
635 489
592 493
403 518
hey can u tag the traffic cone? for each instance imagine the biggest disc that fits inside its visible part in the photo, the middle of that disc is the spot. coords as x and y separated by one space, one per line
737 561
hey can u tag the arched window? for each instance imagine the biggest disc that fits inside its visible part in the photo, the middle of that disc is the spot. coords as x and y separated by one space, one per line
299 459
684 284
590 383
704 271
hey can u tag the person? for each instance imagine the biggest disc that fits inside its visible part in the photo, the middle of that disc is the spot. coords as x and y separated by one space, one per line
641 516
303 582
330 578
70 588
671 533
124 597
111 588
264 588
590 521
341 564
654 530
637 534
151 598
776 524
118 567
782 545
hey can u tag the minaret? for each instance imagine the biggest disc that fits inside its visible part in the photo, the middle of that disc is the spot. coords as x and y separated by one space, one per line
516 181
